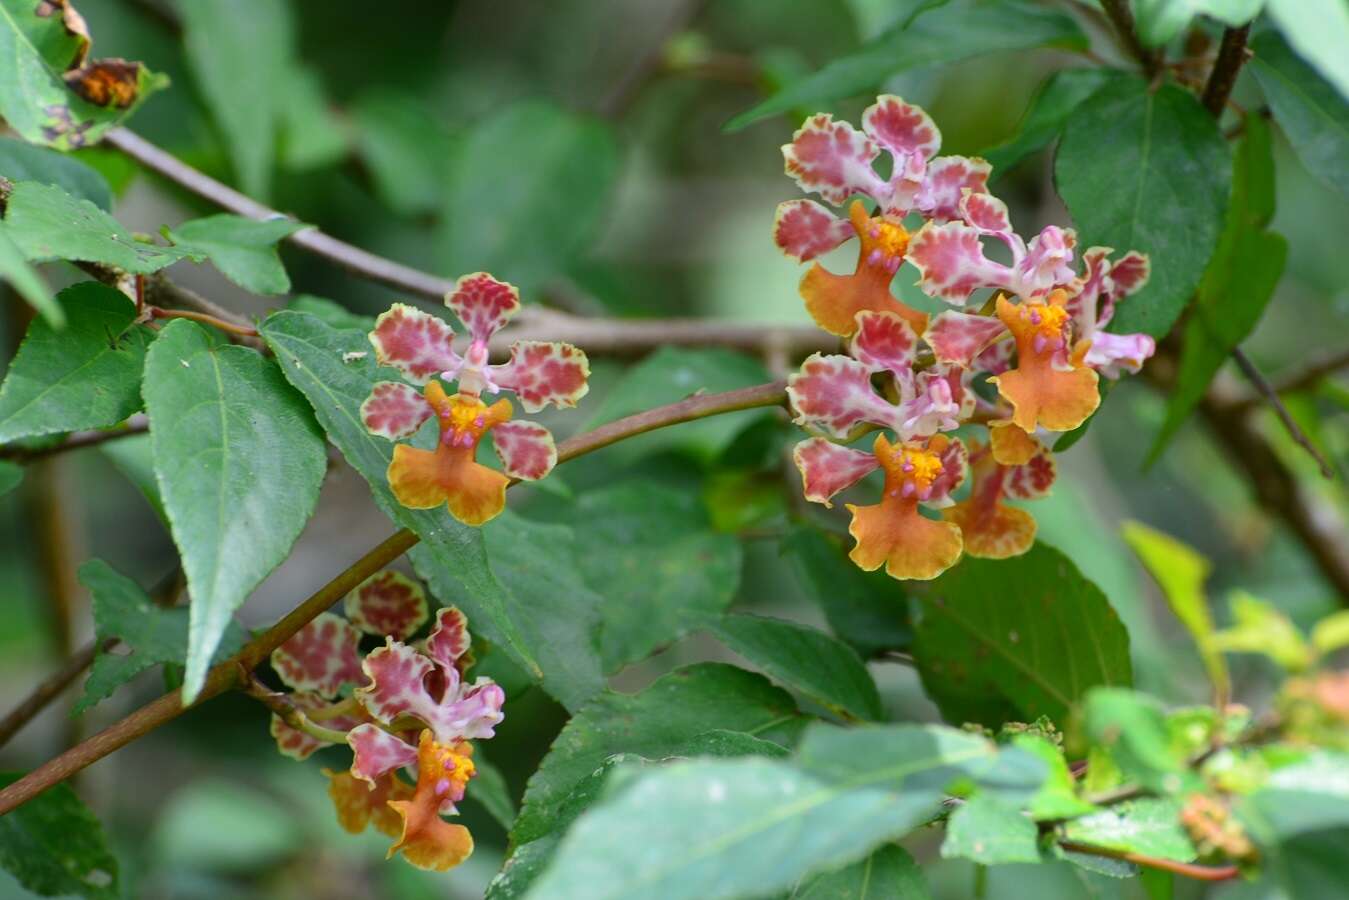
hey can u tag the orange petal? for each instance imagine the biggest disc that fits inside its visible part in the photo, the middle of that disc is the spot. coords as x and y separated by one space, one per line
1011 446
423 479
893 533
996 532
358 805
1039 391
427 840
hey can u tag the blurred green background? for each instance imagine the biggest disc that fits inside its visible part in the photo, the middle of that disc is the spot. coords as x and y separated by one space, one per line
577 146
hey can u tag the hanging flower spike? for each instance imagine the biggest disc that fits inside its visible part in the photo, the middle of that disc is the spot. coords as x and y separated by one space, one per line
950 257
300 745
1046 388
1092 307
428 841
321 657
990 528
836 161
387 603
893 533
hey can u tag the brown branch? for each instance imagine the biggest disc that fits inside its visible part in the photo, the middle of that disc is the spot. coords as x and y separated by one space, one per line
225 675
1232 55
1188 870
1266 390
1122 17
46 691
1303 379
78 440
158 312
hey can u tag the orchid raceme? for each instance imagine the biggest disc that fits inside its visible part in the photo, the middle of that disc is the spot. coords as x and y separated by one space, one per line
411 710
1039 340
420 346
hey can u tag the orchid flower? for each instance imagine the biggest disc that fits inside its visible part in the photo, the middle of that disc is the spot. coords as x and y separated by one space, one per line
990 528
420 346
1092 307
836 161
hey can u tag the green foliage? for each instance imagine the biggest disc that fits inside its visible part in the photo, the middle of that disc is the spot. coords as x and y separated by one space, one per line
406 149
149 635
824 669
1149 826
889 873
1307 107
1239 281
26 282
1017 639
35 100
10 476
867 610
54 846
1148 170
991 831
1300 820
1319 31
491 791
239 461
87 375
1258 627
26 162
1132 727
1042 123
948 33
46 223
1159 21
526 192
244 250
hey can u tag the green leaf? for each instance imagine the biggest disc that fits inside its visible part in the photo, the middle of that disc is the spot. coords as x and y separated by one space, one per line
1331 633
243 249
1148 171
241 53
240 461
751 826
35 100
647 550
86 375
334 368
1319 31
1042 123
942 35
331 312
1133 728
1017 639
1238 283
20 161
54 846
406 150
889 873
150 634
1159 21
868 610
134 457
526 193
1057 797
1258 627
46 223
24 279
824 669
1180 571
312 133
10 476
991 831
1150 826
1307 107
672 374
491 791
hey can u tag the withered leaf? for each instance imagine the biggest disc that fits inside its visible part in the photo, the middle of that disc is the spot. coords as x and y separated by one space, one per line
106 82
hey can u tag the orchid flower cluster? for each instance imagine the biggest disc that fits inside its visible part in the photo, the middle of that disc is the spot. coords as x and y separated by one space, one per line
411 710
1039 339
420 346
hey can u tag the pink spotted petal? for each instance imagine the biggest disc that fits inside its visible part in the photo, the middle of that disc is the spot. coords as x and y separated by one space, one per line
953 460
901 128
947 178
952 263
483 304
397 675
526 449
958 338
833 394
996 358
1130 272
987 214
1094 284
834 160
1033 479
1114 354
376 753
415 343
387 603
449 639
394 410
1047 263
473 716
803 229
884 342
320 657
292 742
543 373
934 407
826 468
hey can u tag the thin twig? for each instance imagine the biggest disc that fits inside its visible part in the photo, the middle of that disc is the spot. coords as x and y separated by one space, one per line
225 675
78 440
1267 391
1222 79
157 312
46 691
1304 378
1123 19
1188 870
